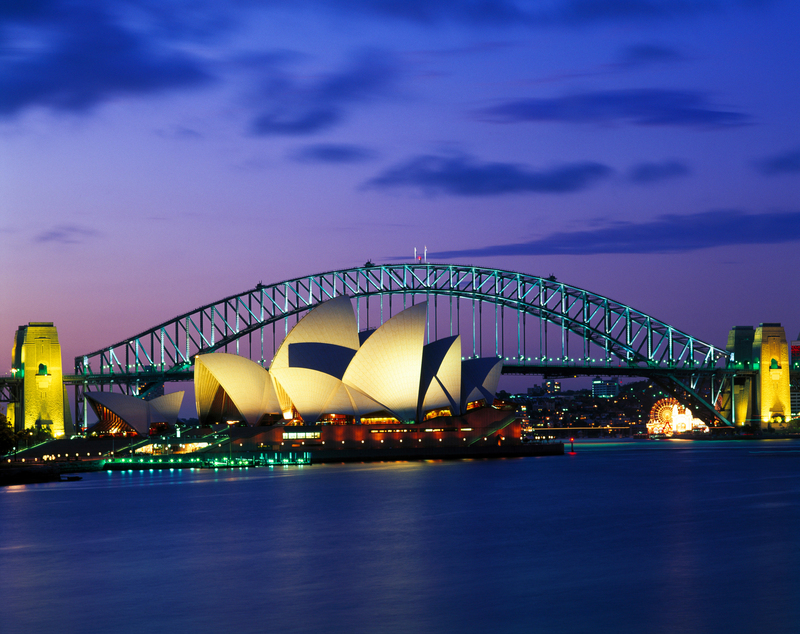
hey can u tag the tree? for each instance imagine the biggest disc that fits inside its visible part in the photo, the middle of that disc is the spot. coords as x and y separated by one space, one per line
7 436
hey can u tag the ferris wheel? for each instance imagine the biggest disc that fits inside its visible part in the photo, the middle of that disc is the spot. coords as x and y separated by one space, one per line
661 416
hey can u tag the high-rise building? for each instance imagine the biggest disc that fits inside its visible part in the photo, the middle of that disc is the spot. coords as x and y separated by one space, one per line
742 398
605 388
794 382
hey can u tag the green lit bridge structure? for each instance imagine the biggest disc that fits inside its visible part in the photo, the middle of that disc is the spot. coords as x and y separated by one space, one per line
536 325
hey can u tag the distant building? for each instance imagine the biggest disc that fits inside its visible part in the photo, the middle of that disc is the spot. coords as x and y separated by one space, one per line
605 388
743 396
552 387
795 400
794 388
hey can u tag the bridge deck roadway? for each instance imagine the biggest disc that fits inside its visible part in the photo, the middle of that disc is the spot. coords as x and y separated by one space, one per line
108 379
575 370
544 369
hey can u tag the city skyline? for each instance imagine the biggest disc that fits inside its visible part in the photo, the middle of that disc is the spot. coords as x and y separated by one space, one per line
156 159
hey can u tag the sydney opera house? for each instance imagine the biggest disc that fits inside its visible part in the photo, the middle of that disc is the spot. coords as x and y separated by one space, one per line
326 370
374 388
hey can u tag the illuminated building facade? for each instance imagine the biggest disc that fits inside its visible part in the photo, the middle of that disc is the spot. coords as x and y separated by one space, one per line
36 358
326 370
552 387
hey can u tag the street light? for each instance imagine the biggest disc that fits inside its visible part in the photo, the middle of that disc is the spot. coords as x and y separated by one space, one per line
231 423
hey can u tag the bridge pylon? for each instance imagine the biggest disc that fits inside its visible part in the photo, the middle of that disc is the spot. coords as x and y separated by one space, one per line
759 395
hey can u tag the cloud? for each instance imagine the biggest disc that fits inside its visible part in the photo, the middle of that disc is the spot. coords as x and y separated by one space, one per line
480 12
648 173
590 11
639 107
784 163
71 56
288 107
66 234
178 132
665 234
332 153
527 12
638 55
463 176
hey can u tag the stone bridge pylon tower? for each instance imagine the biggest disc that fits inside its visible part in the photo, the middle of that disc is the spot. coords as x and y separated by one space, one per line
36 359
760 395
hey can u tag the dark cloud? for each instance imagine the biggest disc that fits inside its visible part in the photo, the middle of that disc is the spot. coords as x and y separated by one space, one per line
529 12
665 234
290 107
332 153
648 173
784 163
66 234
588 11
463 176
71 56
639 107
648 54
479 12
26 9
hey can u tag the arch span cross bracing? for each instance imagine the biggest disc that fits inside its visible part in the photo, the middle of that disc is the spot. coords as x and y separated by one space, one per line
527 320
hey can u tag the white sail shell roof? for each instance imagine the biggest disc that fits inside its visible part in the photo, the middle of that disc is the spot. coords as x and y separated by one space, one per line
440 384
139 413
166 408
316 393
479 379
388 365
332 322
134 411
246 383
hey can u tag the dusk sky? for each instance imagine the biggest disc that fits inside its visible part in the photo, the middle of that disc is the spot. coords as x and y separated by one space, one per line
158 156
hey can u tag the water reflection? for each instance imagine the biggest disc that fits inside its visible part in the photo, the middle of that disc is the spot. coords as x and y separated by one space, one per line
699 538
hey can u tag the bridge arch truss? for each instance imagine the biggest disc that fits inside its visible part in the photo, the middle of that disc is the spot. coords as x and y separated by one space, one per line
525 319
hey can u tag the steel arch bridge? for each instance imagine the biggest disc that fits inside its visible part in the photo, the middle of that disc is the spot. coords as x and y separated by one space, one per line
537 325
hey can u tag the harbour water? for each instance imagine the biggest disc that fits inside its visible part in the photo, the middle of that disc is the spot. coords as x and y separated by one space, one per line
628 537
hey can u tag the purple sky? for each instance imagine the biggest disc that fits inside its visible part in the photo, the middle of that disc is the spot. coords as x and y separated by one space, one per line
158 156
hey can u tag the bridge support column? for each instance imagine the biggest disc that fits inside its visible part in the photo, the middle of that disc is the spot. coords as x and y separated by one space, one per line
771 352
